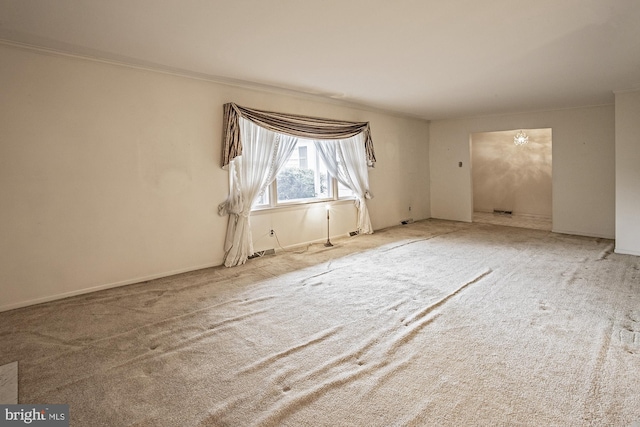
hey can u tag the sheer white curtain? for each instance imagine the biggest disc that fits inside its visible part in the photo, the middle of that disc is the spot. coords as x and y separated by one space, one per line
264 153
346 160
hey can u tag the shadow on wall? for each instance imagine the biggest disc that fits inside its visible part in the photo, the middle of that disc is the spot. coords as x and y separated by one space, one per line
510 177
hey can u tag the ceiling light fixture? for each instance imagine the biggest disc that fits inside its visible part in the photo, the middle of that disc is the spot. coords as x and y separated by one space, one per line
521 138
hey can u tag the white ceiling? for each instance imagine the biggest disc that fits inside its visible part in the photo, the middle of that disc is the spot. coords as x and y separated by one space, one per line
428 58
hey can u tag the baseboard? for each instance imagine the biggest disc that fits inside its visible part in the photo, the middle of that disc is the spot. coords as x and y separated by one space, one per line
582 233
533 216
54 297
520 214
623 251
63 295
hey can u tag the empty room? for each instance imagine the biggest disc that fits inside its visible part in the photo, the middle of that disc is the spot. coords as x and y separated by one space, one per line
279 213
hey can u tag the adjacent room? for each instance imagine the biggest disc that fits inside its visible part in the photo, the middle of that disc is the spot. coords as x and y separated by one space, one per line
512 178
320 213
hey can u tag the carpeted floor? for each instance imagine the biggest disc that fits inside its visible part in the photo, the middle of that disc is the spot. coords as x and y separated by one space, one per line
9 384
515 220
433 323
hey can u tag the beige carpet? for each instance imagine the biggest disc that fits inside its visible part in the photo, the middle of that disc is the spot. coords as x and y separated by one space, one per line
434 323
515 220
9 384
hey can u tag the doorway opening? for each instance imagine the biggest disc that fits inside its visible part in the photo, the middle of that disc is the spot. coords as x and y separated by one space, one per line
512 179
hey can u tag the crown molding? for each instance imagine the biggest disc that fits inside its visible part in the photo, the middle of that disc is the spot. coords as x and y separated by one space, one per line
120 61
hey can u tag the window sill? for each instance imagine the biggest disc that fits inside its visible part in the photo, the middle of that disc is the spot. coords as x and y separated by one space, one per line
300 205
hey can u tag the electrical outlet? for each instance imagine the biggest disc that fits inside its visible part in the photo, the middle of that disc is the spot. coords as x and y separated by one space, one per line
272 233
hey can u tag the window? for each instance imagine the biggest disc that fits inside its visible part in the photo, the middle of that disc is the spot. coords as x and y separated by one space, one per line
302 156
304 179
264 151
344 191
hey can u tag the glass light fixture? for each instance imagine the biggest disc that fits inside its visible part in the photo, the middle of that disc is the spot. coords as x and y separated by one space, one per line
521 138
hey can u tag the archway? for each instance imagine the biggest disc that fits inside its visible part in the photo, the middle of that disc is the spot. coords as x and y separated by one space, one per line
512 184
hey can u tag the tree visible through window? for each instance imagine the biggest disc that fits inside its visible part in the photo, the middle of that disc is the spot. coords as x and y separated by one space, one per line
295 183
305 175
303 179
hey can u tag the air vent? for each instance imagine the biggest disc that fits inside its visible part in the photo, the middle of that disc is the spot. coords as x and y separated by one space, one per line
406 221
353 233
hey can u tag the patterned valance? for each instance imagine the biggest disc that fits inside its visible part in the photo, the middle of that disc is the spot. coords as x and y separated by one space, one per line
289 124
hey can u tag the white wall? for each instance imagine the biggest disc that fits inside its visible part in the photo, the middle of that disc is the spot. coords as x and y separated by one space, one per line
111 175
628 173
511 177
583 166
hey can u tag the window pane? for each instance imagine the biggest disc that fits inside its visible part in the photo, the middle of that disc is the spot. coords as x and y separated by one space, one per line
302 157
344 191
263 199
305 176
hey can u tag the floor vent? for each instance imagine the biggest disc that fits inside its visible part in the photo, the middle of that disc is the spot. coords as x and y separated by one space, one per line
353 233
262 253
406 221
501 212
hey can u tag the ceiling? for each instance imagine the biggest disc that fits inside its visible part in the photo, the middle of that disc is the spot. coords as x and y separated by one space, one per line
432 59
